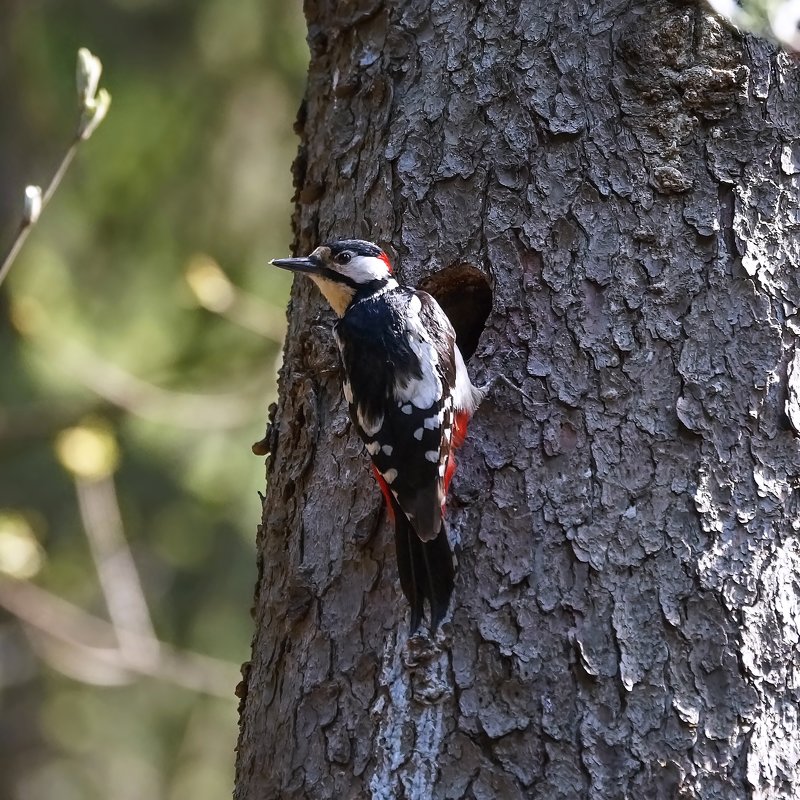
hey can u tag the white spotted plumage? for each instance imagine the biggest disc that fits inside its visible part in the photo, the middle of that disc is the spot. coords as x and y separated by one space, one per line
422 390
409 397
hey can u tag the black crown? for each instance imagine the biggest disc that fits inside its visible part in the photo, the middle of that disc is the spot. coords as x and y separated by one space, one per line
356 246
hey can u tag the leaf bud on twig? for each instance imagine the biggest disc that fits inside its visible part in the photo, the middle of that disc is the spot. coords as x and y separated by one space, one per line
33 205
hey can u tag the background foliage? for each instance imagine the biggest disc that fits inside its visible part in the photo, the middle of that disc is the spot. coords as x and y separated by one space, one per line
775 19
141 314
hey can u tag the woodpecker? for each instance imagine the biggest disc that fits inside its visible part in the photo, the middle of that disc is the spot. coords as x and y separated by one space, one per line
410 399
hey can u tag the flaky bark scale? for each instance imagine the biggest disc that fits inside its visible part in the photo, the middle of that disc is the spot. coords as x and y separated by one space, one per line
626 609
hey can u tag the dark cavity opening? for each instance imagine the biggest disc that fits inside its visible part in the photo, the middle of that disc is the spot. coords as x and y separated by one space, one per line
466 297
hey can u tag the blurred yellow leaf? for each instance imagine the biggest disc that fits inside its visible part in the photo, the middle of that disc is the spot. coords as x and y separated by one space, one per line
88 450
21 556
27 314
209 283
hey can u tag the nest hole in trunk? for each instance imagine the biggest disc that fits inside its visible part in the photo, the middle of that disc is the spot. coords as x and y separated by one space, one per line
465 295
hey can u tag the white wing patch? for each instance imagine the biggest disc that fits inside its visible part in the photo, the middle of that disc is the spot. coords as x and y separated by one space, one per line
425 391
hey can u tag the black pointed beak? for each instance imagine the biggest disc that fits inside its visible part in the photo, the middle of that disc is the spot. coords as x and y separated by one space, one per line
308 265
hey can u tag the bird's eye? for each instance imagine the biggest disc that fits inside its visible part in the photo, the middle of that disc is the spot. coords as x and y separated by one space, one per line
343 258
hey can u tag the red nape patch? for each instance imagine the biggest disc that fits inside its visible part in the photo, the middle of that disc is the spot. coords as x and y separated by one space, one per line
383 257
386 492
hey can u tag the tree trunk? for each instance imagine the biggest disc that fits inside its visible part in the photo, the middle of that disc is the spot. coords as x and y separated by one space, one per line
626 612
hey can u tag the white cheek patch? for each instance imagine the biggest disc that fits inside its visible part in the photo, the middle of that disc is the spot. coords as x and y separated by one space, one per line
363 269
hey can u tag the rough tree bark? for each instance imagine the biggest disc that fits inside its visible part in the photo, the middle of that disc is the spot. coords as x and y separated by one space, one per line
625 175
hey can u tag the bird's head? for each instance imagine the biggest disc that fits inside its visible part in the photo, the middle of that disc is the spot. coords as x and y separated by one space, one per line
343 270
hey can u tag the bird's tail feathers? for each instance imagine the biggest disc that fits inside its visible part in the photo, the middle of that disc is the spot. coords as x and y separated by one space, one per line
427 571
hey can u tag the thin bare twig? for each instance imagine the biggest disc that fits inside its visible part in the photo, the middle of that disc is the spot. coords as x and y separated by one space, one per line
116 569
89 642
27 224
93 107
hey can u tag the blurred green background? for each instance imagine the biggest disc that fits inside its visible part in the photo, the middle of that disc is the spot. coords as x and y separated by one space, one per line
140 333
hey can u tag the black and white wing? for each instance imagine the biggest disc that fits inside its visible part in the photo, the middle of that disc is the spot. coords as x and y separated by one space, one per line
400 393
